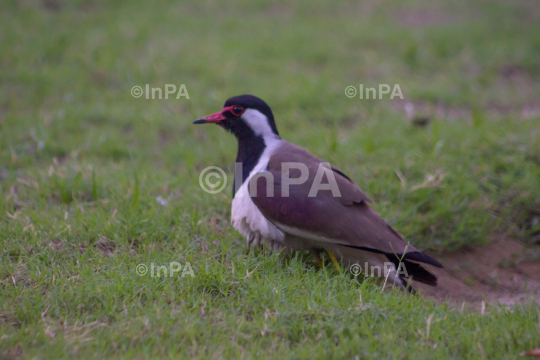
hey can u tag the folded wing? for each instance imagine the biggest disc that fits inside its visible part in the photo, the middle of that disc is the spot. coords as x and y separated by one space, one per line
346 219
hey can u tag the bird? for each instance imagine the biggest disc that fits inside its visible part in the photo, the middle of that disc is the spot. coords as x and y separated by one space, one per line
274 202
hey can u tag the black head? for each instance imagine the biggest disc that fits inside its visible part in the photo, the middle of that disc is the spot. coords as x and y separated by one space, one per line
244 116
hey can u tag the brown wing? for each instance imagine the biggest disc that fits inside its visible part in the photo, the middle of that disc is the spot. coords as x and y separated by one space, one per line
346 219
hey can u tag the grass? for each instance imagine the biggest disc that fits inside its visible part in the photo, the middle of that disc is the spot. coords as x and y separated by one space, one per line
82 164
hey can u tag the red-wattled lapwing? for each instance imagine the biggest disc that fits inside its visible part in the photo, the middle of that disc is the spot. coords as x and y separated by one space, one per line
279 207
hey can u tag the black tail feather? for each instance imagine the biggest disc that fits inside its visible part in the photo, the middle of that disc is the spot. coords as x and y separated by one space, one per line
414 270
420 257
412 256
411 270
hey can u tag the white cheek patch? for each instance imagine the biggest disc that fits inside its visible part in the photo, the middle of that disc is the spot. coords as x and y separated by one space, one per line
258 122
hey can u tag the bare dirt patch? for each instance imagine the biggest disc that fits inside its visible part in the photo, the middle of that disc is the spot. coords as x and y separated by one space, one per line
503 272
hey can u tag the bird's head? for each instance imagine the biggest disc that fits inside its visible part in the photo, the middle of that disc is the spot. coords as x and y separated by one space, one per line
244 116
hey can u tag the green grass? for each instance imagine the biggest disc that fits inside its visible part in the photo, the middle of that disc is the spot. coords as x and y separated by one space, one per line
82 163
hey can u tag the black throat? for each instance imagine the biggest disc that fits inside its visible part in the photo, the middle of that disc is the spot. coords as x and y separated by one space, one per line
250 150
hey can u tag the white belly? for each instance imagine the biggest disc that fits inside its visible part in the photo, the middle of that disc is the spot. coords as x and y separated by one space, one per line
250 222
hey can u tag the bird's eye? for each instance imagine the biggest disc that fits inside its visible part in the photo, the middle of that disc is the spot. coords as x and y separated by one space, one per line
237 110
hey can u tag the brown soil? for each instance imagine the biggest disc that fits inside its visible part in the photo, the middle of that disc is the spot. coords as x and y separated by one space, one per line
504 272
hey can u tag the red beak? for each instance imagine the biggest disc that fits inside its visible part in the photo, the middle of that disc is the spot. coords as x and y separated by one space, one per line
214 118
